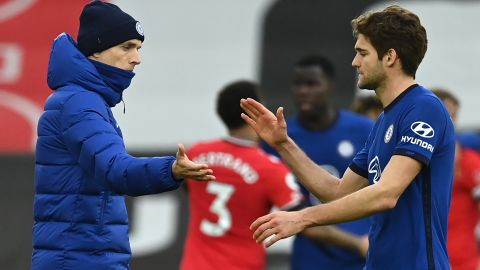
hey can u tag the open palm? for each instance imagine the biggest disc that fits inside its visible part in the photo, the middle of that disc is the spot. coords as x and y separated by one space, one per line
271 128
184 168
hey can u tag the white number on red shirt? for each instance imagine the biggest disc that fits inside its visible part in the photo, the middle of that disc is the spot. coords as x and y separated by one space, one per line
219 207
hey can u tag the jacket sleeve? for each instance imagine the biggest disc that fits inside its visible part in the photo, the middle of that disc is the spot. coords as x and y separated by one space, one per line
100 152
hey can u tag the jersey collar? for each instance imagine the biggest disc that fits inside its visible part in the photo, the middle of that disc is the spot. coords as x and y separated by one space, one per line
241 142
397 99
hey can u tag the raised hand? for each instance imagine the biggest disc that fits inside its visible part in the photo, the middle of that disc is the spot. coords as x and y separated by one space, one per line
271 128
278 224
184 168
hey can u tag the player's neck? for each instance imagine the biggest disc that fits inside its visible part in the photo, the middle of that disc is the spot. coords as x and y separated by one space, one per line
322 120
244 133
393 87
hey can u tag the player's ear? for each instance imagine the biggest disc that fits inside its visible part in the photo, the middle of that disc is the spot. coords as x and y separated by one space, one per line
390 57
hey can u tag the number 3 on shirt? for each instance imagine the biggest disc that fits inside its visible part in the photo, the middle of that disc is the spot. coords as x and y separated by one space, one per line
219 207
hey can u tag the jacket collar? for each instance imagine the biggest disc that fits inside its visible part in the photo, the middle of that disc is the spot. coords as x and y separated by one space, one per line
67 65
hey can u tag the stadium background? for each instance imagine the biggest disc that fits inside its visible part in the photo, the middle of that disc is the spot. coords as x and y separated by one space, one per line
193 48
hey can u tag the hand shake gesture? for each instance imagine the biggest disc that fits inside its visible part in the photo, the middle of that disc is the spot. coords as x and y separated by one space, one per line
184 168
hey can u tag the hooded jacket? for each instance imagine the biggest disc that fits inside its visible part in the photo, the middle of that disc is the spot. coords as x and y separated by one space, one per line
82 170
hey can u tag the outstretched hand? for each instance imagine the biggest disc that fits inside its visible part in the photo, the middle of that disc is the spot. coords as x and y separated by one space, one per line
278 224
271 128
184 168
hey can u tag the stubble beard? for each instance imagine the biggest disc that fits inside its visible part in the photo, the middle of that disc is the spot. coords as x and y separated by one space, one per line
372 82
367 84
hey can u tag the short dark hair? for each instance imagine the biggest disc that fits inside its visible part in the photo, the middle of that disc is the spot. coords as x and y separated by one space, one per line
317 61
394 28
228 101
443 94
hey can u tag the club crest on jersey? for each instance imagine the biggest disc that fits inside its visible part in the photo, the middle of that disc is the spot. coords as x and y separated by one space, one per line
422 129
388 134
375 168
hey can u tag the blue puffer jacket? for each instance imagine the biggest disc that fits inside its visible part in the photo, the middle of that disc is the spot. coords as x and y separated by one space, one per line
83 171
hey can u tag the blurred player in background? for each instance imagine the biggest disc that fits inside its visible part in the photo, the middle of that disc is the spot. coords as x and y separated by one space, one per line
402 177
469 139
249 183
330 137
464 211
368 105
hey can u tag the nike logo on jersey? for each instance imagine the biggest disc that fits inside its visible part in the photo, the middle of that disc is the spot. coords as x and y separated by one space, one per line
375 168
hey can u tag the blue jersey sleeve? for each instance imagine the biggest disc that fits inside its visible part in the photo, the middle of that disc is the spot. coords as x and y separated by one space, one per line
359 162
469 140
421 129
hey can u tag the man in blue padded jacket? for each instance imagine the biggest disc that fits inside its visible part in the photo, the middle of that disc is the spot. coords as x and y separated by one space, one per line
82 170
402 177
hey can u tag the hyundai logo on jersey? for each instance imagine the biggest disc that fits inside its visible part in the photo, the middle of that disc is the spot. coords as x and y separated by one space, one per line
418 142
422 129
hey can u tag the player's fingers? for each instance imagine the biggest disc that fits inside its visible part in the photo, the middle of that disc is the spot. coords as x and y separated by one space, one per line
255 105
204 175
205 178
181 150
264 233
259 221
280 116
188 165
201 166
200 172
261 229
206 172
273 240
209 177
249 110
249 120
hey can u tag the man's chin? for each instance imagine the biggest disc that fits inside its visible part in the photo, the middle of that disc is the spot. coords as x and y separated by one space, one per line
305 108
365 86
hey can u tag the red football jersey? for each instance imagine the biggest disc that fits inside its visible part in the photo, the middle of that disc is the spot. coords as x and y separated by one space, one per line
462 246
249 183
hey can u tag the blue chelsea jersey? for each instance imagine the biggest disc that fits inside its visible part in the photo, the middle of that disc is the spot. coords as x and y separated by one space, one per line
333 149
413 234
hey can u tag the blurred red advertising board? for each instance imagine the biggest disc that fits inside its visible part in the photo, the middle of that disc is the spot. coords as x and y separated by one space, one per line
27 29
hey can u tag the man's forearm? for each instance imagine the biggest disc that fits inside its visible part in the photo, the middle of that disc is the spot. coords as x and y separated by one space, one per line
398 174
335 236
318 181
363 203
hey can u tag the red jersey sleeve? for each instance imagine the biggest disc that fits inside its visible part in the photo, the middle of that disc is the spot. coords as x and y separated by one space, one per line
281 186
470 172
